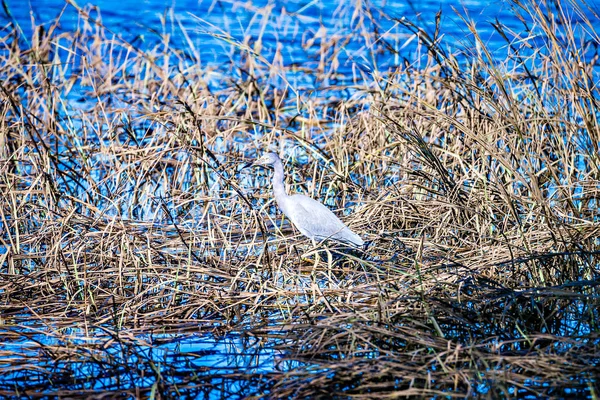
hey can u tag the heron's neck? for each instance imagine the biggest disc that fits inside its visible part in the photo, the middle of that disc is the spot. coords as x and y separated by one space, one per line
278 186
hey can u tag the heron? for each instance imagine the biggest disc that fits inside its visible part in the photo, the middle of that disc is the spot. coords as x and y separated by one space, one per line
311 218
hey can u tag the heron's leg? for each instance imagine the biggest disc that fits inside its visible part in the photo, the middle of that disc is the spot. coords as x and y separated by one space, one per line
329 262
317 252
317 258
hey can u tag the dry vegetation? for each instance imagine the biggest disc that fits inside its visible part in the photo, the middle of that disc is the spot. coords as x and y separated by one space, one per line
124 213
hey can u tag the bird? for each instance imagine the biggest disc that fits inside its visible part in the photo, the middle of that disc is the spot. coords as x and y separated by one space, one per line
311 218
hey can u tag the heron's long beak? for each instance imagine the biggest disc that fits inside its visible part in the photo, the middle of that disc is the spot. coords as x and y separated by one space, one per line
256 163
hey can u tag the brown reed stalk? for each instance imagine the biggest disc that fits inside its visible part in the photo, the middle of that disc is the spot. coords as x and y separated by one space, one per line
124 213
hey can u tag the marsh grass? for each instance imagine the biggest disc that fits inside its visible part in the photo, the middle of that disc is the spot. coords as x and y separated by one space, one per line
474 178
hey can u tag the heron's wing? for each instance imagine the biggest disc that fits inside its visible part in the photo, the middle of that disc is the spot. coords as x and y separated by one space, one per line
313 219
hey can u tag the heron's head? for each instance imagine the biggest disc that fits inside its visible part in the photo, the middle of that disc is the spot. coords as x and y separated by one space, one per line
266 160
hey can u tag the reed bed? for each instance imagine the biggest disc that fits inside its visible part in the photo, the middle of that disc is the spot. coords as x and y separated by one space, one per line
126 219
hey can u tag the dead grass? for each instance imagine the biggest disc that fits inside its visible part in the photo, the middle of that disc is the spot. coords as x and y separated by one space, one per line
124 214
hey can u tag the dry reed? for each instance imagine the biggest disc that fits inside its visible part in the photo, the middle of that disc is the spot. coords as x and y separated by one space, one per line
124 214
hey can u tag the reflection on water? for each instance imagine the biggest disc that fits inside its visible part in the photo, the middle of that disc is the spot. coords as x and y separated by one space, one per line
197 364
206 365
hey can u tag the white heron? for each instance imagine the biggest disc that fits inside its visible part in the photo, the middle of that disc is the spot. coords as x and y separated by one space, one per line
311 218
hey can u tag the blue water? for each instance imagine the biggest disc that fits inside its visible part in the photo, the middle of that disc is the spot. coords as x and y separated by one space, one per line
206 25
131 18
201 364
287 22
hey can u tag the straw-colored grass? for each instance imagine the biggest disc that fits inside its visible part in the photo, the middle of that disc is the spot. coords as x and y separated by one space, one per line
124 212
